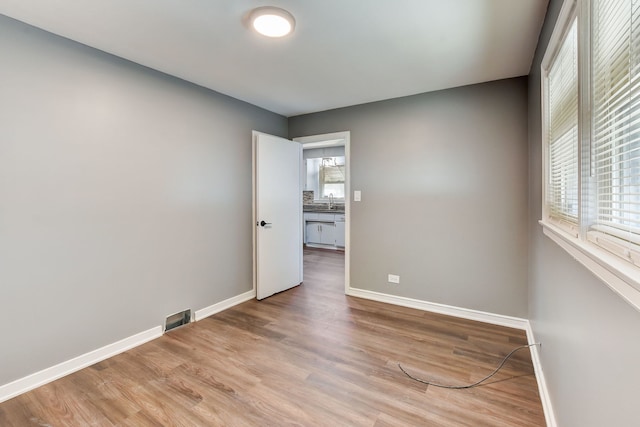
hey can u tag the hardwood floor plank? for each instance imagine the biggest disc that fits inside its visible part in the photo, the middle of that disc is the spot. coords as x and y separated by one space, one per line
308 356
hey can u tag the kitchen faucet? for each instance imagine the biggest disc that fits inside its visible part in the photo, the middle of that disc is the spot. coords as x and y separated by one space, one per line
330 201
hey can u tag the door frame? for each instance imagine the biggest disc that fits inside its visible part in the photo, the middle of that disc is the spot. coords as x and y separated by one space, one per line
330 140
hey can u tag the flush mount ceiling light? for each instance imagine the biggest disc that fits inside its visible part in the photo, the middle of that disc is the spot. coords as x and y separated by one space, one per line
272 21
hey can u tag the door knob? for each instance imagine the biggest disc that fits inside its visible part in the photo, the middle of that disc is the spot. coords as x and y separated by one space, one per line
263 223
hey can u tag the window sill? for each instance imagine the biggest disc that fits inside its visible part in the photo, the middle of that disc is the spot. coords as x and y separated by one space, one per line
622 277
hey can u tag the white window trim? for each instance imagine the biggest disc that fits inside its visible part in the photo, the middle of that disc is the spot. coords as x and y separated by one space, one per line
567 14
616 273
621 276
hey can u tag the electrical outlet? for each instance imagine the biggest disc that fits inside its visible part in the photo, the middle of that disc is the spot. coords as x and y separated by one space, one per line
394 278
357 196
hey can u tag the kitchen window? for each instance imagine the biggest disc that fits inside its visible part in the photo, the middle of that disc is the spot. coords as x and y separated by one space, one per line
591 139
326 176
332 177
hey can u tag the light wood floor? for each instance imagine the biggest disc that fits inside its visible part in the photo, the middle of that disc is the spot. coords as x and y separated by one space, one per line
309 356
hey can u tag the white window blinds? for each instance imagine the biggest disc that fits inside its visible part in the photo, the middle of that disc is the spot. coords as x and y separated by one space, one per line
332 177
562 121
616 126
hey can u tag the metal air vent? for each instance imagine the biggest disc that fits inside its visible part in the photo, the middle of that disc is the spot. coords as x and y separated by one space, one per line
177 320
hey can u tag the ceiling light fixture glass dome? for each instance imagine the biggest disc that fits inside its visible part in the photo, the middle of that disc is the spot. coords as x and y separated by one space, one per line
272 21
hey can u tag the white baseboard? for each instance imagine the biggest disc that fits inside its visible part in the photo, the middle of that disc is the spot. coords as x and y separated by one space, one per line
549 415
23 385
465 313
223 305
480 316
48 375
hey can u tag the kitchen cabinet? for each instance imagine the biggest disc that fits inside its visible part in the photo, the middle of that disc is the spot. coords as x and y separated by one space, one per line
310 216
321 233
312 232
340 232
325 229
328 234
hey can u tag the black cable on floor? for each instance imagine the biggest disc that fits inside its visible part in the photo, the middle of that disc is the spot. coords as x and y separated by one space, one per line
460 387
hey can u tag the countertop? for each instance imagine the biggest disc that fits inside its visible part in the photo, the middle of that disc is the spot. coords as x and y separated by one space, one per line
322 209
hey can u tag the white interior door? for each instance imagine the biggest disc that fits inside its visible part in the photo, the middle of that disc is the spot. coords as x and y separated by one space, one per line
277 214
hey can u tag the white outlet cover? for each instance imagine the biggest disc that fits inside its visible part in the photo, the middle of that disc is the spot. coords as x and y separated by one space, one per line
357 196
393 278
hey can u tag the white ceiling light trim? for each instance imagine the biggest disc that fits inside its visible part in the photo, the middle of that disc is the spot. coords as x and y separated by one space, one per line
272 21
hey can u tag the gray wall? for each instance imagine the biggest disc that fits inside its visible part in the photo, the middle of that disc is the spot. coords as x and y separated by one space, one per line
444 205
590 336
125 196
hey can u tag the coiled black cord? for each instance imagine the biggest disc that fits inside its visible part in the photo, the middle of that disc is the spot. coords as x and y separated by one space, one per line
460 387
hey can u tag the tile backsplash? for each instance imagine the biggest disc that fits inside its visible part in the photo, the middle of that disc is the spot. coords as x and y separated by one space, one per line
307 197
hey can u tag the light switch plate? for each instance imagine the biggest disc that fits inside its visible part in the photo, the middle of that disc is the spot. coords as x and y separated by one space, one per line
357 196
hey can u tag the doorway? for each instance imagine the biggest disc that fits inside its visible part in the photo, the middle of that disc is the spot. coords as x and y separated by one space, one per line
327 217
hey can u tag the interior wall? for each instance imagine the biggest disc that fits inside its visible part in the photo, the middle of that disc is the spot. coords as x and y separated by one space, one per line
125 196
444 205
590 336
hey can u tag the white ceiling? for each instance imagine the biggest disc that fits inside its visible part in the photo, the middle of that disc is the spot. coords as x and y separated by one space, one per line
343 52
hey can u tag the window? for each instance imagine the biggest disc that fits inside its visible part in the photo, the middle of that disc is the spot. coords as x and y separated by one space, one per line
591 139
562 132
332 177
616 127
326 176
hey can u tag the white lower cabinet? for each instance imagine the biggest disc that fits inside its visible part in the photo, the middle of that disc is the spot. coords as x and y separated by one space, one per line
312 232
321 233
324 229
340 240
328 234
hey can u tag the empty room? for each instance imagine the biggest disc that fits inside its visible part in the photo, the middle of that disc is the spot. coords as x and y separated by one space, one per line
356 212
